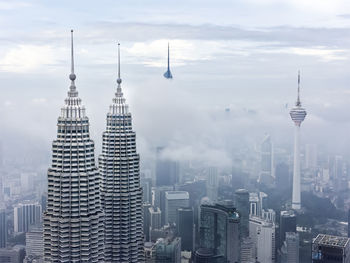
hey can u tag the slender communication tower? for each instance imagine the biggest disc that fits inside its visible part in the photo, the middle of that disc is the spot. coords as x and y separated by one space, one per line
168 74
298 115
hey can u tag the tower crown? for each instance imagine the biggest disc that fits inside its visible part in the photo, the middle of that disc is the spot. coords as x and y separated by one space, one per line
119 107
72 108
168 74
298 113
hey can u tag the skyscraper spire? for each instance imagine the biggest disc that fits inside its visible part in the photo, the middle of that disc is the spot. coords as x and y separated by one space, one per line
119 80
72 90
298 103
168 74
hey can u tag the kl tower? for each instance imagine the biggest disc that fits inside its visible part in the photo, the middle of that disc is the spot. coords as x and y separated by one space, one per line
298 115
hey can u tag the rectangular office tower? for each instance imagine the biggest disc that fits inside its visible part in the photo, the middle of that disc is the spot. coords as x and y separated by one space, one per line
330 249
219 234
121 192
173 201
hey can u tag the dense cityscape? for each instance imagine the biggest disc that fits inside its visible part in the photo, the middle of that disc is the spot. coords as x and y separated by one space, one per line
254 187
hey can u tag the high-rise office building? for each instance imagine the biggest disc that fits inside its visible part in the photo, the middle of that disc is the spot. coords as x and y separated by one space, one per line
167 171
3 228
146 220
298 115
146 184
330 249
247 250
35 243
173 201
185 227
288 223
266 171
73 220
290 248
212 184
155 218
121 194
158 200
263 234
219 232
243 208
25 215
167 250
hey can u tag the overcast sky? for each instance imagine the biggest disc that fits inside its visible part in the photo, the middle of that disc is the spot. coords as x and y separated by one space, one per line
242 54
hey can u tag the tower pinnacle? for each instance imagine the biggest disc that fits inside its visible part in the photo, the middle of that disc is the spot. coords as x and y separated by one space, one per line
298 103
72 89
119 80
168 74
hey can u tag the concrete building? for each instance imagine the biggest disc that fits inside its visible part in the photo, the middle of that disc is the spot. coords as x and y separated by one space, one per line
247 250
35 245
119 166
146 220
290 248
173 201
158 198
185 227
219 233
167 250
263 234
26 214
267 166
212 183
288 223
329 249
298 115
3 228
242 206
73 220
155 218
10 256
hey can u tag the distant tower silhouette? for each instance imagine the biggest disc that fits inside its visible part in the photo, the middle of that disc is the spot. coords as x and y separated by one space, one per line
168 74
298 115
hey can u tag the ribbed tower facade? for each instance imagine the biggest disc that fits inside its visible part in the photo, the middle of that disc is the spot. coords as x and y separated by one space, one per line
298 115
121 191
73 220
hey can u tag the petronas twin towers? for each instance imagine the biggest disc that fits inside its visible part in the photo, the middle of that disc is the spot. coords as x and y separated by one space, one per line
94 214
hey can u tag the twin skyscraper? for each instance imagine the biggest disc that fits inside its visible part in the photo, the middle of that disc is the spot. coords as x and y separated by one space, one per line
94 214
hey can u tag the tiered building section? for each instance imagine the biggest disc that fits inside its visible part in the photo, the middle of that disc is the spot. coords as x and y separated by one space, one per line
73 220
121 191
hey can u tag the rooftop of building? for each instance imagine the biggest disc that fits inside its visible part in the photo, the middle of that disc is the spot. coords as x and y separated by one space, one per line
286 213
177 195
332 241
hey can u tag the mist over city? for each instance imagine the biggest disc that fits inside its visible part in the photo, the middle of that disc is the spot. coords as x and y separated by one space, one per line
175 131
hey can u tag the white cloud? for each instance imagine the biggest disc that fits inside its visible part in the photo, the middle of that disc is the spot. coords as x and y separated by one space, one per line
27 58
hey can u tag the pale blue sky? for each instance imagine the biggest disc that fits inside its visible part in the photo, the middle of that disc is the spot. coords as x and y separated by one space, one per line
241 54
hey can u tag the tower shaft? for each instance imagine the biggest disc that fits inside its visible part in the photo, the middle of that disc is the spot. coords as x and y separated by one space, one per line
296 170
